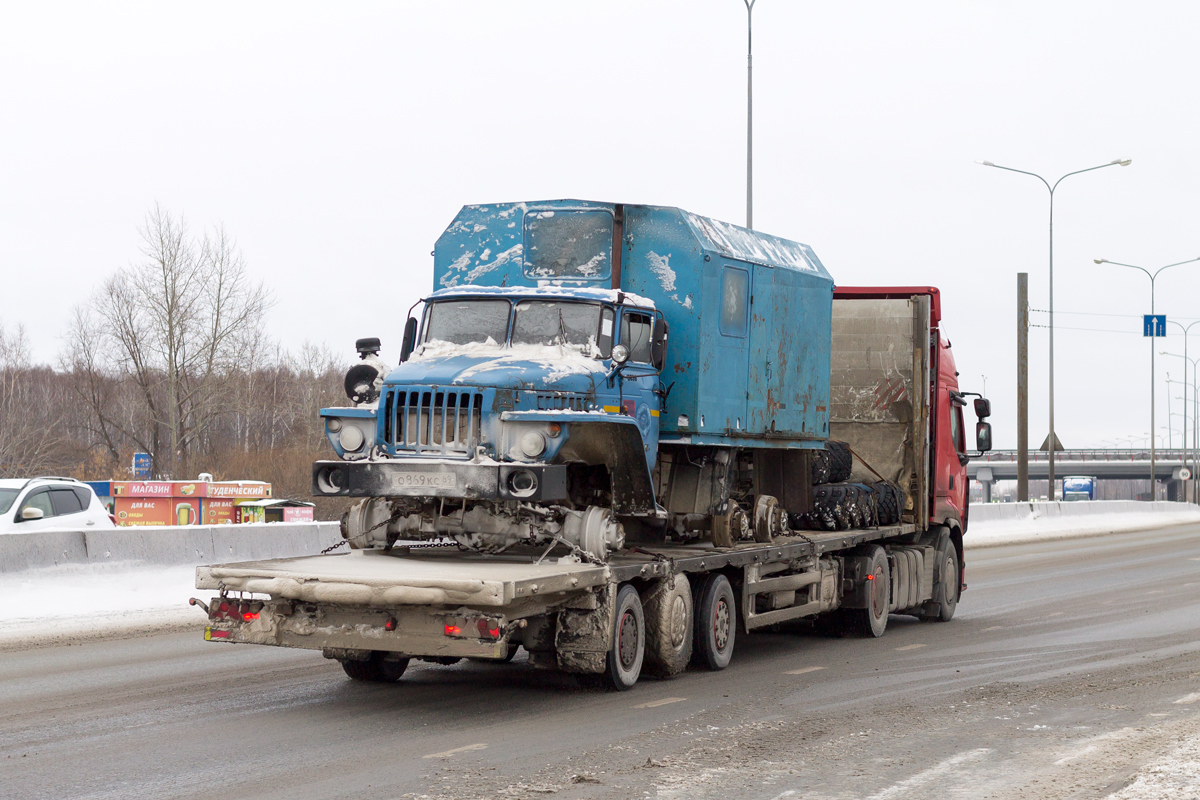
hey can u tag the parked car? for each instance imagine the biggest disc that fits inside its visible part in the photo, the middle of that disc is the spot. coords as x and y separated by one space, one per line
37 504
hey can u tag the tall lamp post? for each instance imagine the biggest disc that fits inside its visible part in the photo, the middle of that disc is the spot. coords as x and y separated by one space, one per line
1195 402
1122 162
749 113
1151 276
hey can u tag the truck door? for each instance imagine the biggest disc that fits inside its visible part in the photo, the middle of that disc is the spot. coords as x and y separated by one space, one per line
952 482
640 379
765 378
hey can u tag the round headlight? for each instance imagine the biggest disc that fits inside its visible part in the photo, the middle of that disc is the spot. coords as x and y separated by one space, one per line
333 424
620 354
351 439
532 444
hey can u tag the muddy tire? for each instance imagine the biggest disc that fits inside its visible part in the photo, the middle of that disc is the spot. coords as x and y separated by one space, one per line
627 650
841 462
872 620
377 669
716 623
887 502
669 626
945 594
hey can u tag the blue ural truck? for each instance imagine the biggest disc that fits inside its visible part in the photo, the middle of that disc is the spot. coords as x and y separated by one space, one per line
618 436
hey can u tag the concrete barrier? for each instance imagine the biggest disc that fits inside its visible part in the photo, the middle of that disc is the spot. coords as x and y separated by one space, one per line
167 545
1003 512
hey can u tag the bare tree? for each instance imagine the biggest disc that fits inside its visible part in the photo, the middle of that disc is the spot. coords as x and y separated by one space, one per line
176 326
32 439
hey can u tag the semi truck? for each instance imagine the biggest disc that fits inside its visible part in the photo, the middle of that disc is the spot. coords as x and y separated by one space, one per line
619 436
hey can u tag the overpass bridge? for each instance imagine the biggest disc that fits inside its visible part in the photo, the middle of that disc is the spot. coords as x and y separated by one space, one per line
1112 464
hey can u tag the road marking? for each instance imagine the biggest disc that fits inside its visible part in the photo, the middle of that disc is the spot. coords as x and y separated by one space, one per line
911 647
457 750
993 628
664 702
1188 699
1194 559
933 775
1056 614
802 671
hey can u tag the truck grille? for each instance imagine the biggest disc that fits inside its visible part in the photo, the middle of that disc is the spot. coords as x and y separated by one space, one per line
555 402
432 420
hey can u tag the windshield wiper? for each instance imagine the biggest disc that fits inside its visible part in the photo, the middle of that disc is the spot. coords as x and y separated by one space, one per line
562 327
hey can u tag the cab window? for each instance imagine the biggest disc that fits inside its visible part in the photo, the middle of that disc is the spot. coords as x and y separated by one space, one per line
735 296
956 429
64 502
635 334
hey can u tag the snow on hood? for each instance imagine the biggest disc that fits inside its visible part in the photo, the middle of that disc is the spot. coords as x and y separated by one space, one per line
490 364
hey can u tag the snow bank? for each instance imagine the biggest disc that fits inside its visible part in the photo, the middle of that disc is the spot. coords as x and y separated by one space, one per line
997 524
60 605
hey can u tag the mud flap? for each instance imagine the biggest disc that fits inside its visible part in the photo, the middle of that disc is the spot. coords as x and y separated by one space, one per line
584 637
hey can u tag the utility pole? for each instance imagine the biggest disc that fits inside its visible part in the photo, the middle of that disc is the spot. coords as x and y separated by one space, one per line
1023 388
749 114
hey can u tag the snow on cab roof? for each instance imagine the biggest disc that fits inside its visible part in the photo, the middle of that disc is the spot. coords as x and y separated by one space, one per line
544 289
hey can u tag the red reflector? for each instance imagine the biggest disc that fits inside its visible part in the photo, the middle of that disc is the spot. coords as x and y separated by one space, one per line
213 633
870 577
390 625
249 616
486 629
494 633
453 630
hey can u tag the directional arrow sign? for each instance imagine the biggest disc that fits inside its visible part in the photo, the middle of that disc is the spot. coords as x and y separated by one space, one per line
1154 325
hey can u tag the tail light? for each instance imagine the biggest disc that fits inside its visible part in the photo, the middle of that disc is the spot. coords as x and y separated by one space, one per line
235 610
488 628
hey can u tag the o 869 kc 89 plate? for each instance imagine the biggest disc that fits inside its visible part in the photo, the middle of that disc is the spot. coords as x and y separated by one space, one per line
428 480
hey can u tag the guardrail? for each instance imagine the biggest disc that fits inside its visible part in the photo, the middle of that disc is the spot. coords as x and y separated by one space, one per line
167 545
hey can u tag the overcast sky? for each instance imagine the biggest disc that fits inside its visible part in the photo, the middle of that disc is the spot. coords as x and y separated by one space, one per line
335 144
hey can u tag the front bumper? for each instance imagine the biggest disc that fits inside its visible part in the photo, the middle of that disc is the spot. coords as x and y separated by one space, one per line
440 478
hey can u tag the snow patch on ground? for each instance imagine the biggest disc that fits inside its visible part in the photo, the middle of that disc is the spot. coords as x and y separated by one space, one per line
1174 776
60 603
1035 522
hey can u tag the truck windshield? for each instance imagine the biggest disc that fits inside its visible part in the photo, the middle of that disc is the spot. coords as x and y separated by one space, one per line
558 322
468 322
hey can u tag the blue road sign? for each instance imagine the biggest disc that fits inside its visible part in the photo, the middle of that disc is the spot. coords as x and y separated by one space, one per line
1154 325
141 466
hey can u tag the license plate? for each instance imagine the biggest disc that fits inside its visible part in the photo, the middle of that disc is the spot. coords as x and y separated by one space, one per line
427 480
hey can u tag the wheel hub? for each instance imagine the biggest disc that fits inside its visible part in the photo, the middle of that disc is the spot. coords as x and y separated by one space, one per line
678 621
721 624
627 640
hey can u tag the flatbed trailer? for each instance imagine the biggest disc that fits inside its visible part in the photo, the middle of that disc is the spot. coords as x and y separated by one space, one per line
542 471
440 604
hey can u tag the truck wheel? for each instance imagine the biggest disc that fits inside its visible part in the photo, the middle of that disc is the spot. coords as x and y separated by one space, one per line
716 623
669 626
872 620
628 648
377 669
945 594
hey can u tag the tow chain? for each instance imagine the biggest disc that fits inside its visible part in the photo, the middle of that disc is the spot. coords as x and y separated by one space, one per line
387 521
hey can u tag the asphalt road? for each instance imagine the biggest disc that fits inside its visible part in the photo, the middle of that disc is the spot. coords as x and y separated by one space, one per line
1071 670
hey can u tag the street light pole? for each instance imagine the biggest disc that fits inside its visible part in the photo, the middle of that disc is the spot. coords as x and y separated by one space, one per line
749 113
1122 162
1152 276
1195 402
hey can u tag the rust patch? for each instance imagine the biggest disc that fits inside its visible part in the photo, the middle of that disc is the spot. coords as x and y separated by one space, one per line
684 367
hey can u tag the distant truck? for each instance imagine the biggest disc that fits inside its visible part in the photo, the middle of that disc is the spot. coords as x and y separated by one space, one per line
1078 488
542 470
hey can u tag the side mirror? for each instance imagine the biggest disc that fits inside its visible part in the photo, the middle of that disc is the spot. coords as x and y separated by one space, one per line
658 344
983 435
410 339
983 408
620 354
31 513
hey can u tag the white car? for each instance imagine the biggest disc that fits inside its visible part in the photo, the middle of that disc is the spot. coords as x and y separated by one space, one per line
39 504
